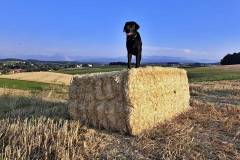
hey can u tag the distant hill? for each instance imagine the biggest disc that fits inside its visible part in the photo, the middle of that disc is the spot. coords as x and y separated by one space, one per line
35 60
106 60
10 59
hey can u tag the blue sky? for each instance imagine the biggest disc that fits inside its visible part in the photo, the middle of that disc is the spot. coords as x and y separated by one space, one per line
206 29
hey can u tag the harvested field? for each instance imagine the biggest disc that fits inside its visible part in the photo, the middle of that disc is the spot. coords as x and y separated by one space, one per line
37 128
45 77
206 131
53 94
222 93
14 92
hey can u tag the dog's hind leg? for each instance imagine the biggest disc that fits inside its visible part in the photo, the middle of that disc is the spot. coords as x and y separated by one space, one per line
129 60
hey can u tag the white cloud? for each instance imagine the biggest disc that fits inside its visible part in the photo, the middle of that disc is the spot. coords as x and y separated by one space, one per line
187 50
166 50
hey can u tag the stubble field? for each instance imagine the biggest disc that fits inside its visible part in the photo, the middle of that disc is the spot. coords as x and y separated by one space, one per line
38 126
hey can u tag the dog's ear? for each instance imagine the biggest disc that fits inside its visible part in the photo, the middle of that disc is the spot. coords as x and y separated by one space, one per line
136 26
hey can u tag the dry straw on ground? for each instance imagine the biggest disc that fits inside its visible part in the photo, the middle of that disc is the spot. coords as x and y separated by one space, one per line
129 101
209 130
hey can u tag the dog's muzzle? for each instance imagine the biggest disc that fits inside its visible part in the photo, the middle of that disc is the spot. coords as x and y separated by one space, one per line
129 34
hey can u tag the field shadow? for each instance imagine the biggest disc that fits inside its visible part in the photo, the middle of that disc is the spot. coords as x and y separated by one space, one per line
12 106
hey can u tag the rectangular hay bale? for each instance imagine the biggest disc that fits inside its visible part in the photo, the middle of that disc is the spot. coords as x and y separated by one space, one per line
129 101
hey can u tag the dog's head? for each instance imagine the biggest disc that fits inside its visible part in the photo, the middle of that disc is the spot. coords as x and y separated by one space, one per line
130 28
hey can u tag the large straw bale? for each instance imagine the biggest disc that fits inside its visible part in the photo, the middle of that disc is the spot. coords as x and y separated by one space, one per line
129 101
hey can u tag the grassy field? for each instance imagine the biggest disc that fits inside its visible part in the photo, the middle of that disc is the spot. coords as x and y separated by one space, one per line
90 70
203 74
27 88
24 85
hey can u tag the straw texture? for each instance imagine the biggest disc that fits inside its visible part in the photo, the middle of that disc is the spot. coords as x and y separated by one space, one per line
129 101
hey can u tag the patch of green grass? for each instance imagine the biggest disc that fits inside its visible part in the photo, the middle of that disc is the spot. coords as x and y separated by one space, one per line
24 85
202 74
198 74
74 71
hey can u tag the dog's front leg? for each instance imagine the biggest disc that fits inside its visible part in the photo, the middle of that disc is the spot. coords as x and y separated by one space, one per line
129 60
138 59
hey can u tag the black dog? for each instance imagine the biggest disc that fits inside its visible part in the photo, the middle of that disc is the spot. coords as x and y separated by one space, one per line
134 42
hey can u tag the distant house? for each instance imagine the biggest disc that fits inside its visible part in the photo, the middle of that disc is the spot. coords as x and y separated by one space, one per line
79 66
14 71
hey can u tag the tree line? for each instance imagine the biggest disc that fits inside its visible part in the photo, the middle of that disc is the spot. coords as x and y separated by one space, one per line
5 67
231 59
